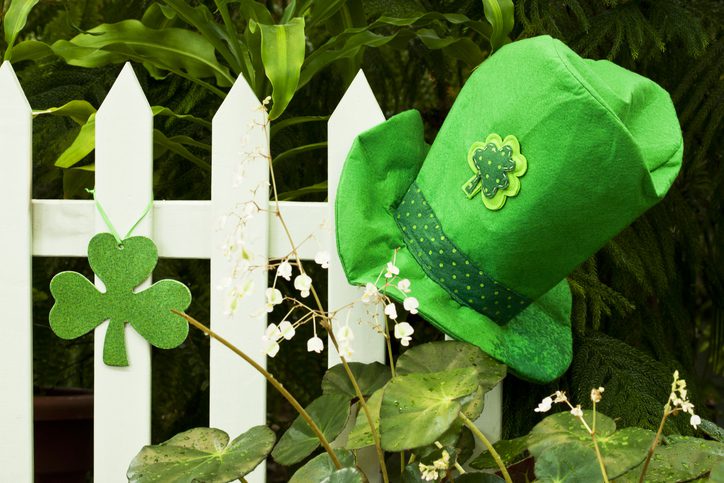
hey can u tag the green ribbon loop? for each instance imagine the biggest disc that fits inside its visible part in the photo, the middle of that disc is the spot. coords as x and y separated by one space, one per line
109 224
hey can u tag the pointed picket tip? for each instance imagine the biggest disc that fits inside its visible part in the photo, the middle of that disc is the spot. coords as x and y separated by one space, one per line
12 96
359 100
126 95
239 101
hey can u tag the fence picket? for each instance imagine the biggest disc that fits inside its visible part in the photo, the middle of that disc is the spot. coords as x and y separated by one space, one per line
124 174
240 176
16 327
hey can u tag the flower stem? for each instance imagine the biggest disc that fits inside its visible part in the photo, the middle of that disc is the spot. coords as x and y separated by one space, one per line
471 426
654 444
269 377
599 458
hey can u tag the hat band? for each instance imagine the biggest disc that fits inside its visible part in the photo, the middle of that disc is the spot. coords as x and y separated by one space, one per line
443 262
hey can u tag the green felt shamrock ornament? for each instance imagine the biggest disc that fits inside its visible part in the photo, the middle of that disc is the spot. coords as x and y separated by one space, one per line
80 306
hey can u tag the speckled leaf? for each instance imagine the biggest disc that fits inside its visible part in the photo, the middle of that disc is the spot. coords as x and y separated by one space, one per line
345 475
568 462
369 377
321 466
684 460
361 435
621 450
329 412
511 451
202 454
417 408
444 355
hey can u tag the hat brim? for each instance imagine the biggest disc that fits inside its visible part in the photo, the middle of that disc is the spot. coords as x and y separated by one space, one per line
383 162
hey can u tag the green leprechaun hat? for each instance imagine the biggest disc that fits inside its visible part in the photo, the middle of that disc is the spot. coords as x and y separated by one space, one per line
543 158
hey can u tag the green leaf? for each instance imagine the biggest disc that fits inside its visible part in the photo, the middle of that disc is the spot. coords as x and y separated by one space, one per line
165 111
202 454
322 11
282 52
176 50
621 450
30 50
78 111
82 145
293 121
567 462
713 430
345 475
369 377
298 150
684 460
294 194
445 355
499 14
417 408
322 466
511 451
717 473
329 412
361 435
14 21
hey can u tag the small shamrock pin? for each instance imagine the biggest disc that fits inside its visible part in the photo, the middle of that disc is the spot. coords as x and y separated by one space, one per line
80 307
497 164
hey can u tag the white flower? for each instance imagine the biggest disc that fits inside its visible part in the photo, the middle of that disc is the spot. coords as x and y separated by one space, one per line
577 411
596 394
371 293
695 420
429 473
345 334
403 331
284 270
392 270
443 462
345 350
544 406
273 297
271 347
560 397
322 258
391 311
286 329
411 304
303 283
687 407
404 285
315 344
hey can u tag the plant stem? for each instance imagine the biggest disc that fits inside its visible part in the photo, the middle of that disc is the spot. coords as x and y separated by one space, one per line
269 377
330 331
471 426
600 458
653 446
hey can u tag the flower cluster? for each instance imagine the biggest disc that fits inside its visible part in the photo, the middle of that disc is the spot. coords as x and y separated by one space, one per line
432 472
678 401
373 294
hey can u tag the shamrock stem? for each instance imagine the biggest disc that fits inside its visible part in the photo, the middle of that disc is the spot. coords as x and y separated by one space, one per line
471 426
269 377
114 345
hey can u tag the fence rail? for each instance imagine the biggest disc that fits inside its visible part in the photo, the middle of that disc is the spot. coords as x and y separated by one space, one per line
181 229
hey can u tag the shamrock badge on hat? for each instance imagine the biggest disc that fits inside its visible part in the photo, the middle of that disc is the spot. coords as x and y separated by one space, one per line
564 154
80 307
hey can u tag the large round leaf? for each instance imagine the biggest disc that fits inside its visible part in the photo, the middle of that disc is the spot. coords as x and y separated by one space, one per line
444 355
511 451
567 462
417 408
361 435
369 377
321 466
345 475
683 460
202 454
621 450
330 413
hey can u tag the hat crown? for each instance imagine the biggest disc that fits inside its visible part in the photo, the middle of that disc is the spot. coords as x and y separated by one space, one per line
601 145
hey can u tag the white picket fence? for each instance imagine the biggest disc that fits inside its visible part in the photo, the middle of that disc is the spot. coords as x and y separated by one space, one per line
181 229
